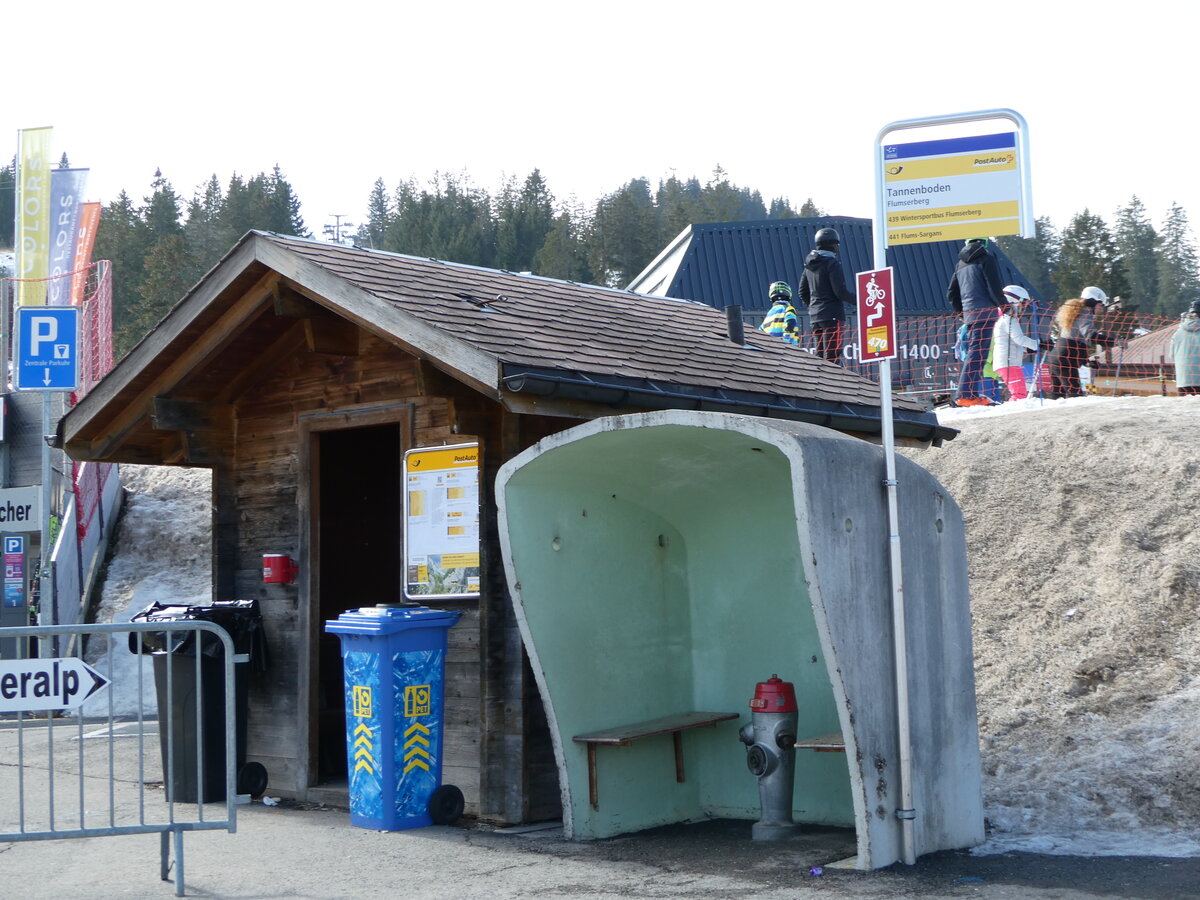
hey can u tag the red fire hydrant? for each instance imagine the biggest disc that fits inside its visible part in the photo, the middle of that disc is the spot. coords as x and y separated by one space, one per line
770 740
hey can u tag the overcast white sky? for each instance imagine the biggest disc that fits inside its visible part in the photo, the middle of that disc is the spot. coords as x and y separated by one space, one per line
787 97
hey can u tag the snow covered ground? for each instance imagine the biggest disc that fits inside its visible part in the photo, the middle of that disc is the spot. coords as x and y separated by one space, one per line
1084 560
1085 582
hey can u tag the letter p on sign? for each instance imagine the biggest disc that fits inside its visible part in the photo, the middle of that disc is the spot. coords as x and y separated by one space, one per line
42 330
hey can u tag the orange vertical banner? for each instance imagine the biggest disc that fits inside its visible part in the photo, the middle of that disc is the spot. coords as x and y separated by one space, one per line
89 221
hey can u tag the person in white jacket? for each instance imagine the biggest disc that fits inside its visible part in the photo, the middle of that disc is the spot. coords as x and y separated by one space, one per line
1010 342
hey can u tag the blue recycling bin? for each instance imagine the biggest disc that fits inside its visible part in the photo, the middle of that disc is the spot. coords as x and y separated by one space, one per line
394 659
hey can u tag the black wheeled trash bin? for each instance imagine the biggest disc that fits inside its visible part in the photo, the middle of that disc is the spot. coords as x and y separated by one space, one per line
193 744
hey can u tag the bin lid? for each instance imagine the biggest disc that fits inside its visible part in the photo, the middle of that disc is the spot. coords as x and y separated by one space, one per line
389 618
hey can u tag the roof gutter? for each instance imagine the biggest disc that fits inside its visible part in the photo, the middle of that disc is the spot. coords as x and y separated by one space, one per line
647 394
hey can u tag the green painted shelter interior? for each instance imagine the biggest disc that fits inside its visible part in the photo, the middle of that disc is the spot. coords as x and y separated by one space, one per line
660 573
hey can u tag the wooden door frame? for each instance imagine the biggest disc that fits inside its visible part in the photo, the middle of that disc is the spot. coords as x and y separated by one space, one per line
309 426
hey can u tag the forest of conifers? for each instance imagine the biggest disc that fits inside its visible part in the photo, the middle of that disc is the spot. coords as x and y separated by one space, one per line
162 245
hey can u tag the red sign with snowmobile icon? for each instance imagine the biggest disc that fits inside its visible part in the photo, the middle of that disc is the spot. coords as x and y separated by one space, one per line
876 315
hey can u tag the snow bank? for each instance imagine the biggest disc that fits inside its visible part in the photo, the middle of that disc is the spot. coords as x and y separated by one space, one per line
1085 594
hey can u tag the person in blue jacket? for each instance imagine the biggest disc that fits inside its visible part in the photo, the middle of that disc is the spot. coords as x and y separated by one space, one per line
781 320
823 290
977 292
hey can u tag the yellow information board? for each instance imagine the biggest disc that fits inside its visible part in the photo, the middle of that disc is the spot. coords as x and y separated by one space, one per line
441 522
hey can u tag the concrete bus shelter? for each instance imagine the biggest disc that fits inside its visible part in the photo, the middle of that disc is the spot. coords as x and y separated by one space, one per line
662 564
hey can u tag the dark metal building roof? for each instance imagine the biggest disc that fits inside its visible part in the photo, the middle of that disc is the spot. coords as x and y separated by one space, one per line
732 263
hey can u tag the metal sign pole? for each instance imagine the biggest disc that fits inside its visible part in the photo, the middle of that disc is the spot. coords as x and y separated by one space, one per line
1025 223
45 581
905 813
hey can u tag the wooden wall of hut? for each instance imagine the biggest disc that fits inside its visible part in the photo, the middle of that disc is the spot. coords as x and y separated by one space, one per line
497 747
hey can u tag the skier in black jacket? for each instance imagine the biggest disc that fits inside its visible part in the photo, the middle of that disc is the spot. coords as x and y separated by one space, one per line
823 290
977 292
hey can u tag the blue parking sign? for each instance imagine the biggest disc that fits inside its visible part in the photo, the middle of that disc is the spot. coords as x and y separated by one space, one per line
47 348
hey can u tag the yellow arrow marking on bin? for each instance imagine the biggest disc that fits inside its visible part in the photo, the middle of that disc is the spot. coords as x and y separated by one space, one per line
363 742
363 729
418 751
417 765
415 744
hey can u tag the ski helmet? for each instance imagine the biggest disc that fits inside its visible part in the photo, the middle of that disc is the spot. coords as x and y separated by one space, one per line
826 238
1094 294
780 290
1014 293
1194 309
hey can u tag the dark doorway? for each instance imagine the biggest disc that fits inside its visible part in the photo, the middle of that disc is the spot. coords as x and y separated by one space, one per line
358 541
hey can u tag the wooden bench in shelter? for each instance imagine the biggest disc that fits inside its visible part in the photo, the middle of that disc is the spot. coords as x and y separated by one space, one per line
826 743
626 734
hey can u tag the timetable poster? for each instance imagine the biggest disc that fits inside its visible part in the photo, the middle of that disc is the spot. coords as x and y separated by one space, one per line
441 516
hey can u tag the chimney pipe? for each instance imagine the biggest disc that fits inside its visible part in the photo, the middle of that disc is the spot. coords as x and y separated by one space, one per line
733 325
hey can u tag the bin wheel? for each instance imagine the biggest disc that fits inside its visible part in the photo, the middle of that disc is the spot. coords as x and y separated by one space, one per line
446 805
252 779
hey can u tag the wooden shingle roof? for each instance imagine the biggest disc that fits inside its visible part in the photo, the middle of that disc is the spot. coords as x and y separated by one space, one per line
520 339
542 325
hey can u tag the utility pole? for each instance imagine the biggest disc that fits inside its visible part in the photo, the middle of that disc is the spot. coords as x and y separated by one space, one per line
335 230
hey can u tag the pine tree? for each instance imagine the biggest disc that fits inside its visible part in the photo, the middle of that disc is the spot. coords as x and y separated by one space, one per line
781 209
1136 241
408 228
1178 271
124 239
722 201
1088 256
281 213
622 237
170 271
523 219
242 198
563 254
206 239
161 214
1036 257
677 206
8 203
810 210
379 215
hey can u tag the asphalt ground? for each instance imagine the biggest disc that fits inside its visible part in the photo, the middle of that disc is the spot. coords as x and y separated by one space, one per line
294 850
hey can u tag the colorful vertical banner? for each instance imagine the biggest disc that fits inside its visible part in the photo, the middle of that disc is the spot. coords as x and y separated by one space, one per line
33 213
89 221
66 199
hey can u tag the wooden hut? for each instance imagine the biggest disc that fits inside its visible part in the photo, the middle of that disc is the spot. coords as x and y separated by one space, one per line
300 373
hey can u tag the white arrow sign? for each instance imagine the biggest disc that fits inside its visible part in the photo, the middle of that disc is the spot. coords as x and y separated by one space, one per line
35 684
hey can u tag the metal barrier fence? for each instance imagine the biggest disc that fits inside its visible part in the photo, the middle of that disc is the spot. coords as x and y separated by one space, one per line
1135 358
73 734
